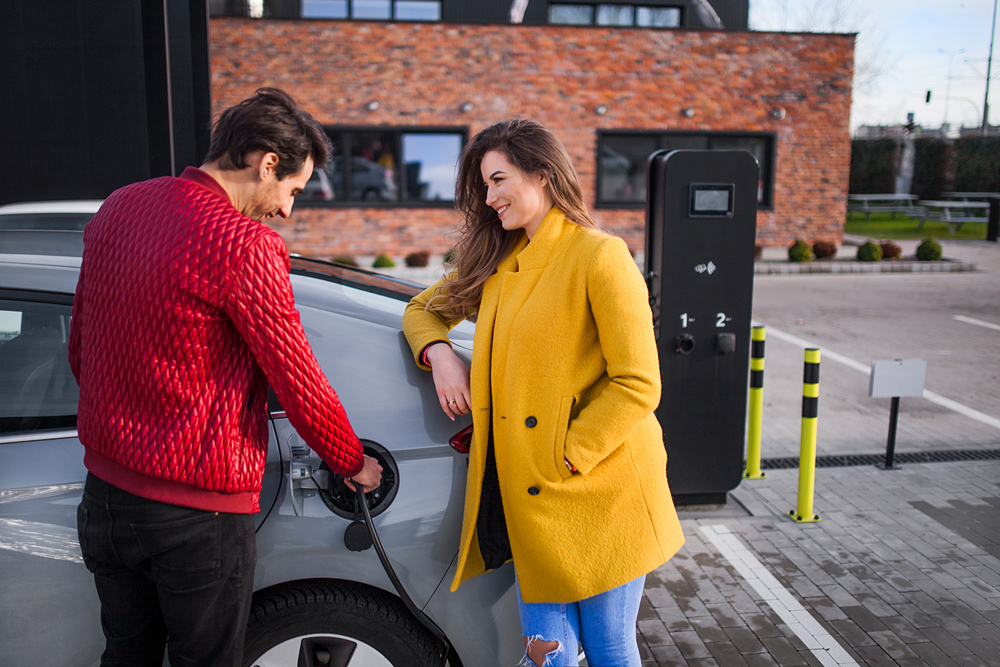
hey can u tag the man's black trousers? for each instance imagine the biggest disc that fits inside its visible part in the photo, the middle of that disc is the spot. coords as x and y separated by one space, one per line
167 576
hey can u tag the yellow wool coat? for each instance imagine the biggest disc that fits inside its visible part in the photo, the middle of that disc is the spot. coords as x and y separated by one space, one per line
565 365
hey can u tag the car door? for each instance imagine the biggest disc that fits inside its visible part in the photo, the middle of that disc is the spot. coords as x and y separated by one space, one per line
49 609
48 605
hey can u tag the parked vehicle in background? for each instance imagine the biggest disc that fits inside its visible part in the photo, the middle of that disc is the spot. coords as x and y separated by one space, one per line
316 601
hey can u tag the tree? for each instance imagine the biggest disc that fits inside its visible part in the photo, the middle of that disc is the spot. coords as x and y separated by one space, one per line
871 57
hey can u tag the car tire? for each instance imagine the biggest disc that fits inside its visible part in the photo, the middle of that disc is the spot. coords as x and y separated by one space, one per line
335 624
372 194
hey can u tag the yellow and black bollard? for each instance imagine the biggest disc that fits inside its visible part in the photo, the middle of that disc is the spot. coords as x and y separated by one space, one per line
756 406
803 513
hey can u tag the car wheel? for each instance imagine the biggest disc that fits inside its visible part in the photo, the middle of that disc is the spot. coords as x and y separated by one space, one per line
331 624
372 194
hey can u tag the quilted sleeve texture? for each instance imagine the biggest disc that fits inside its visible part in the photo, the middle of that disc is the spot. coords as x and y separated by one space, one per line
261 305
620 305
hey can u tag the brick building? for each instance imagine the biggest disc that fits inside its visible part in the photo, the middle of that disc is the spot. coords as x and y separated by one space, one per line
401 97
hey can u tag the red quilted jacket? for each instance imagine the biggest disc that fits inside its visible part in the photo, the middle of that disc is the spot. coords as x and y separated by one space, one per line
183 314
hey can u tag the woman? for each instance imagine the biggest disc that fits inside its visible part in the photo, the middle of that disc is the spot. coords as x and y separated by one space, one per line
567 470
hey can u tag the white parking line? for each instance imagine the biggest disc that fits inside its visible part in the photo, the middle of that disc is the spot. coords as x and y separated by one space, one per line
969 320
823 645
944 401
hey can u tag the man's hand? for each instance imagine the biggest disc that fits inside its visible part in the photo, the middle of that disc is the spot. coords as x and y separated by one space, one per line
369 478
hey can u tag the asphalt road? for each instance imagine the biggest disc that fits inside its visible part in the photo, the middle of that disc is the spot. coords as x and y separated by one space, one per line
952 320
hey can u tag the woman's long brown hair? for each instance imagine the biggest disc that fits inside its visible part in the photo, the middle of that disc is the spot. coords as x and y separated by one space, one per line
483 242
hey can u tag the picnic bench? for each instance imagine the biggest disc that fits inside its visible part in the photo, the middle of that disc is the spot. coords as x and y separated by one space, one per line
885 203
954 213
993 226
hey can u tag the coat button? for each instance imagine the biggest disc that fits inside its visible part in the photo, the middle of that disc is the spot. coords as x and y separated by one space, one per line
533 490
530 422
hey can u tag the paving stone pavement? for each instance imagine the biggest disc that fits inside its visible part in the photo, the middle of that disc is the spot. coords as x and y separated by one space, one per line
904 566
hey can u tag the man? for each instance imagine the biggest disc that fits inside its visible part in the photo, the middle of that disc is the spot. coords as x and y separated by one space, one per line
183 315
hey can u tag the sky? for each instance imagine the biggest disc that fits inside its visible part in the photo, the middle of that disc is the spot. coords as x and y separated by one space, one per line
904 48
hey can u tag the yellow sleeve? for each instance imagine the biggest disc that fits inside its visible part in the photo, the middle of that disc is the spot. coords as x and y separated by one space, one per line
423 327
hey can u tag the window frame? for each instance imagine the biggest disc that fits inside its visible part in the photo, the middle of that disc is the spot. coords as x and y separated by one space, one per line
595 6
343 148
771 139
392 13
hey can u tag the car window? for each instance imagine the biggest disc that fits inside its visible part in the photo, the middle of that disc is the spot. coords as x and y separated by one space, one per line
369 281
37 388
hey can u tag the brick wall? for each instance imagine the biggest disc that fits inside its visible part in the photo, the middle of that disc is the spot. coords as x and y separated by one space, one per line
422 72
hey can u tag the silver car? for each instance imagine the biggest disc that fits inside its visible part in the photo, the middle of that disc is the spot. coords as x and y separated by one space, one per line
321 596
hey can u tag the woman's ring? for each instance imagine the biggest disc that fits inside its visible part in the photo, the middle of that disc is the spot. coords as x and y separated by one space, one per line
451 402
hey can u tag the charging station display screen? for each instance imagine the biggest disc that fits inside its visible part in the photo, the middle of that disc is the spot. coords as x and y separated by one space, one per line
711 200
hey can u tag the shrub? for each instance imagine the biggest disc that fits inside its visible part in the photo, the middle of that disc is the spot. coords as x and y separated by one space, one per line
449 257
345 259
929 250
824 249
869 252
890 250
418 258
383 261
800 251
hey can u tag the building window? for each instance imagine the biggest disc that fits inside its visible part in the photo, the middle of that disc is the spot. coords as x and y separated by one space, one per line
571 14
622 157
615 15
658 17
373 10
388 167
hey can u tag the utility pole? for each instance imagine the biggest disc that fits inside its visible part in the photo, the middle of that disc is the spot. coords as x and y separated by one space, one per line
947 94
989 64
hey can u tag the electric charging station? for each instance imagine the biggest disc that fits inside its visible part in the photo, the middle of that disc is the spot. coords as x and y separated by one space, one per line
701 224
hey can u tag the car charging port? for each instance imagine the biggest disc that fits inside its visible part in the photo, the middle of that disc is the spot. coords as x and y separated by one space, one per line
344 503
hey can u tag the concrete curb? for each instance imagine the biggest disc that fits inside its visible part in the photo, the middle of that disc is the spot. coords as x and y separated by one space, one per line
785 267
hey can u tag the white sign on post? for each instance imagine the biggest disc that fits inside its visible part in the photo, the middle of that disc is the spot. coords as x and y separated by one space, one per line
893 378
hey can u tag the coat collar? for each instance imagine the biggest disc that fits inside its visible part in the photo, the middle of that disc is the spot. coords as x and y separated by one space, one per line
554 229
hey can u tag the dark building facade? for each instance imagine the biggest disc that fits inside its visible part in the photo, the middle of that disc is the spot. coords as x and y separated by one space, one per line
716 14
400 98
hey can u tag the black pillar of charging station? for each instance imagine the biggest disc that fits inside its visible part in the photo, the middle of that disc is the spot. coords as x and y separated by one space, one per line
701 224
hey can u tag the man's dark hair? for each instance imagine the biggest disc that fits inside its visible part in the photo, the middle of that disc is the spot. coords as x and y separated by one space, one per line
272 122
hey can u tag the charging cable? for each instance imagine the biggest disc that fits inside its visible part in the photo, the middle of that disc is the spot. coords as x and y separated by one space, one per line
396 583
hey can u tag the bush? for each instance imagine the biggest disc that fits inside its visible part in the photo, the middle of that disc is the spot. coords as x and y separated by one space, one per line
345 259
890 250
929 250
449 257
418 258
800 251
383 261
824 249
869 252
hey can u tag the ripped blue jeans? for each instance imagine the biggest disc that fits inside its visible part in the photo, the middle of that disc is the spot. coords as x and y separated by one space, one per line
604 624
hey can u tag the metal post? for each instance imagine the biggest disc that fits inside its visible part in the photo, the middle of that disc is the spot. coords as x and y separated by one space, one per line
803 513
890 444
993 226
756 407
